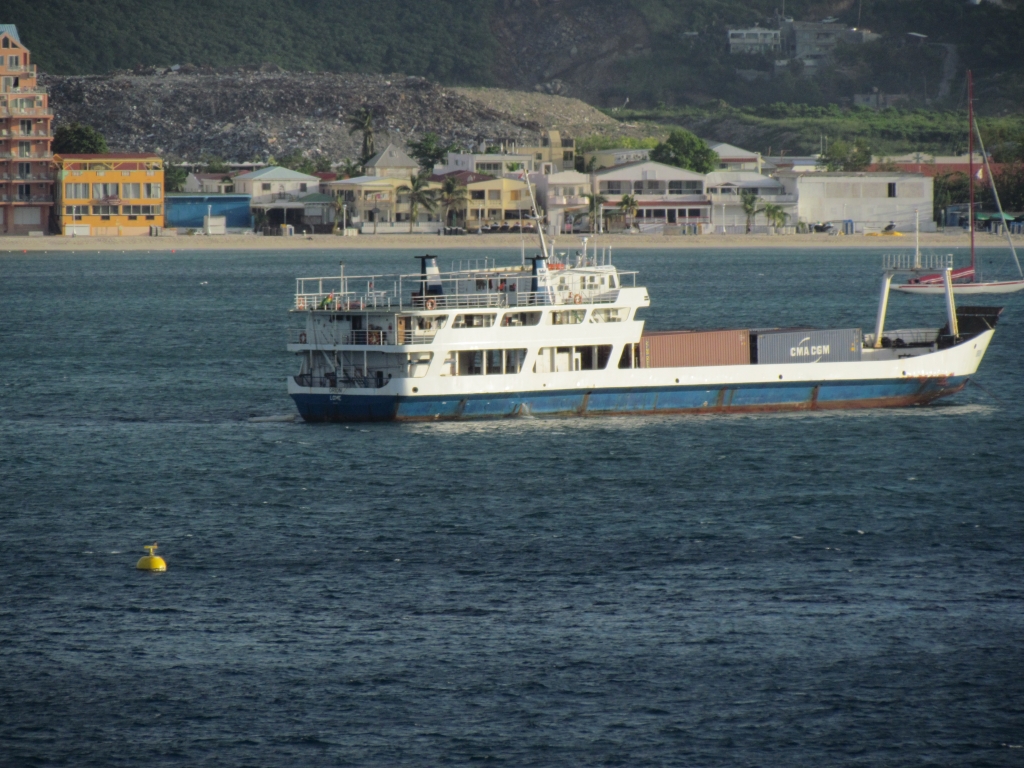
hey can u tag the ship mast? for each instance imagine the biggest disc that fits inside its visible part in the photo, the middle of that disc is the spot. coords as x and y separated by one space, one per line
970 155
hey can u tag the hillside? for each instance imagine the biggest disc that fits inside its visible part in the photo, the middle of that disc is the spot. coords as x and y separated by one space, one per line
602 51
243 115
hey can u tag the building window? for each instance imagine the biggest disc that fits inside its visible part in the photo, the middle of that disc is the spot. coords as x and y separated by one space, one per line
152 191
76 212
494 194
131 190
24 170
26 127
24 191
302 186
567 156
515 194
892 189
265 187
100 191
24 149
476 194
76 191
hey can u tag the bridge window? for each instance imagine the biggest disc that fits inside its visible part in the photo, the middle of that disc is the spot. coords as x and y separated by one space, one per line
513 319
568 317
482 320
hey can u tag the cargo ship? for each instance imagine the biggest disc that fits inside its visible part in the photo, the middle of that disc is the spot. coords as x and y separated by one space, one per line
558 335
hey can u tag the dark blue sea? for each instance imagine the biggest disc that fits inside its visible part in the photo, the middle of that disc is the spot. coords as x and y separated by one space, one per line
755 590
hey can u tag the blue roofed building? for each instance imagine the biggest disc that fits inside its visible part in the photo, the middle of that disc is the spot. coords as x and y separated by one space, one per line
187 211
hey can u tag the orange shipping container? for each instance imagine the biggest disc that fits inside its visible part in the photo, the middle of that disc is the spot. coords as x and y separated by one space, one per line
677 349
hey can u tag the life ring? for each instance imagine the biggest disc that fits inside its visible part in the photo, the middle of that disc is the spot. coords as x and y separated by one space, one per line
577 299
430 304
302 338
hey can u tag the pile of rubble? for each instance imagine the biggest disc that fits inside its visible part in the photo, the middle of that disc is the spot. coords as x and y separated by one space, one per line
240 115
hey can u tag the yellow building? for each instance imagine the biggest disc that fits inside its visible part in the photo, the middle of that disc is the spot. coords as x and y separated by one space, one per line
491 200
111 194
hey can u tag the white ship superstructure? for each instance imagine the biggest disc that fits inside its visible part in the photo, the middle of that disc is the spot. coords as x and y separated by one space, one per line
560 336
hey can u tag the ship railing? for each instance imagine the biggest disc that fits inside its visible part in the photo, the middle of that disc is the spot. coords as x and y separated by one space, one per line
908 261
363 337
361 382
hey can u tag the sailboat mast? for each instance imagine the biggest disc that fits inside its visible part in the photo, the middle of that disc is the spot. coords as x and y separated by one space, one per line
970 161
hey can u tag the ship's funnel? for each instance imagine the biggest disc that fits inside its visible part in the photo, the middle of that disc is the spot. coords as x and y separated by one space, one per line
430 274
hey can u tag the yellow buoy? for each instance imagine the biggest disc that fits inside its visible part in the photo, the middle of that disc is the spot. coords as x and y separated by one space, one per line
151 562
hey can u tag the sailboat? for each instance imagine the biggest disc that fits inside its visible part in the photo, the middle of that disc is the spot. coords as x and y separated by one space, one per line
966 280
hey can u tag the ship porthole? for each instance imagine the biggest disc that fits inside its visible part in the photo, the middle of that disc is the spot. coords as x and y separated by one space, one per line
415 389
677 381
780 376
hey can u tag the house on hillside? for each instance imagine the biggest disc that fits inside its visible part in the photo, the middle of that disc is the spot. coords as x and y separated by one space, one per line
754 40
609 158
391 163
665 195
732 158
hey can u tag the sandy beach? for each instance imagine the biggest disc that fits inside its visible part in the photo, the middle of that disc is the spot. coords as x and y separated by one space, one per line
957 239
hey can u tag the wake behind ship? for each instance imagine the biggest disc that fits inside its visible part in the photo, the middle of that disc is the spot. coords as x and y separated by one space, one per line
560 338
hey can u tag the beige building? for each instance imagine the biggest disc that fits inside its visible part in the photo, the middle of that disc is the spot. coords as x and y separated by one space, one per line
870 200
392 163
609 158
554 153
377 205
492 201
562 196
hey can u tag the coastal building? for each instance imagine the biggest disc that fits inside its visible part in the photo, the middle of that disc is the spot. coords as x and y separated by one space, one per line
487 163
211 183
26 136
188 211
609 158
754 40
109 194
376 204
562 196
932 165
732 158
726 190
490 200
665 195
554 153
277 193
393 163
870 200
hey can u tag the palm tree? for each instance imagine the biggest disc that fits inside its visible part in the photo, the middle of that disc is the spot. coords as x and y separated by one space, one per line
453 194
259 219
629 207
420 196
775 215
749 201
362 122
350 168
594 203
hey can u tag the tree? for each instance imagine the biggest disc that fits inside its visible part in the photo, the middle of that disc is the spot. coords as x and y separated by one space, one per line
322 164
174 178
749 201
215 165
362 122
629 208
260 219
594 203
350 168
775 215
840 156
296 160
339 211
685 150
78 139
429 151
420 196
453 195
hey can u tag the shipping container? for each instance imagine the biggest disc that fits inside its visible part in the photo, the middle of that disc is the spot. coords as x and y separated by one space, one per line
678 349
829 346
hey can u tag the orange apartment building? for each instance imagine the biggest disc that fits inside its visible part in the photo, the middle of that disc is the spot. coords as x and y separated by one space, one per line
26 136
118 193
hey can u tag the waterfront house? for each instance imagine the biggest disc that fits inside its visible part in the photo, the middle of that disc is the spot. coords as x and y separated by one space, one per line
665 195
278 192
870 200
563 196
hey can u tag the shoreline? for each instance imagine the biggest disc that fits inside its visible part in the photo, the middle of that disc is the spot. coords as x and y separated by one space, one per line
417 242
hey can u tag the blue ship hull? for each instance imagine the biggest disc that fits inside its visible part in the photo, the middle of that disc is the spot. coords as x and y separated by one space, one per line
734 398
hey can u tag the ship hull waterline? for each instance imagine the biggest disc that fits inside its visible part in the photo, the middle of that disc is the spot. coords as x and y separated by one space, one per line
337 406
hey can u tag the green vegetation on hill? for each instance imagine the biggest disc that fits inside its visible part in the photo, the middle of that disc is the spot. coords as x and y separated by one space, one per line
448 40
802 129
